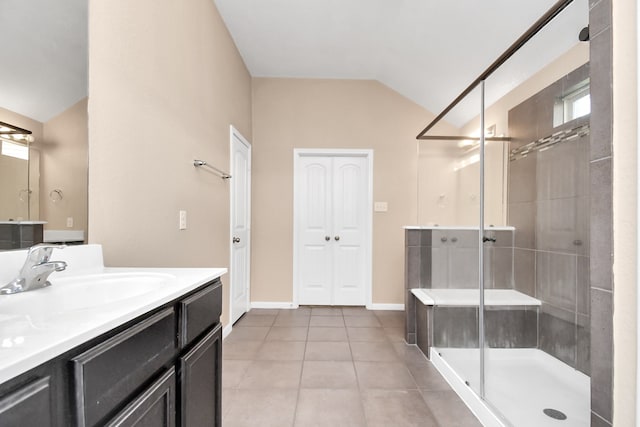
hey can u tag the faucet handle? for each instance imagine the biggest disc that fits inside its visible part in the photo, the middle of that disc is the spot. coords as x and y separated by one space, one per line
42 252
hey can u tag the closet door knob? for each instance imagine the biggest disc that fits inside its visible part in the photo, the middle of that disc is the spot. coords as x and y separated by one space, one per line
327 238
236 240
337 238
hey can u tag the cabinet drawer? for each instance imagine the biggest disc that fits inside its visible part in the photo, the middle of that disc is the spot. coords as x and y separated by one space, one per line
111 372
27 406
154 407
199 312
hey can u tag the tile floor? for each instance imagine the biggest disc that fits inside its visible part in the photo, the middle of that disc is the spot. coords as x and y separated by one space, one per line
318 366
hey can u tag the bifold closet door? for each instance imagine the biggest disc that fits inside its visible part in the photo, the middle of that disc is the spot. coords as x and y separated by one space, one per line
332 208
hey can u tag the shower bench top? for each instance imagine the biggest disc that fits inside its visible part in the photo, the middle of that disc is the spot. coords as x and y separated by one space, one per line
471 297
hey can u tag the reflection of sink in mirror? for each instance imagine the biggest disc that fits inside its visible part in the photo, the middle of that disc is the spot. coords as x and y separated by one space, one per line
83 292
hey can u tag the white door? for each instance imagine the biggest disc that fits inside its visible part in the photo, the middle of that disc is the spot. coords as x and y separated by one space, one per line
333 225
240 224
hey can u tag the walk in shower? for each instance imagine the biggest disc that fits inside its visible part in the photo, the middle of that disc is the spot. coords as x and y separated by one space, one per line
498 265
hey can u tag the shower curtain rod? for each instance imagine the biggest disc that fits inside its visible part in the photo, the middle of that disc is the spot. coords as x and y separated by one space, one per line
528 35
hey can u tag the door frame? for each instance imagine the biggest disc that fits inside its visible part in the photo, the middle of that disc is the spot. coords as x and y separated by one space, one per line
368 246
233 132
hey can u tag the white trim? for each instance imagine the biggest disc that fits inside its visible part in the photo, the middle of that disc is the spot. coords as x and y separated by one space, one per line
271 304
368 154
226 331
471 399
234 132
393 307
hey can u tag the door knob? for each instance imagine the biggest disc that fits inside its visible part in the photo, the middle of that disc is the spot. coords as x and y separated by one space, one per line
337 238
236 240
327 238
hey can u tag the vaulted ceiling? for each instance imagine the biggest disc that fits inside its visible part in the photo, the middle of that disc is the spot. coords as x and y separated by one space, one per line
427 50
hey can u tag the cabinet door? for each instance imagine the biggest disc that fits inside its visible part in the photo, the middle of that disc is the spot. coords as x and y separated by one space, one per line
27 406
200 385
153 408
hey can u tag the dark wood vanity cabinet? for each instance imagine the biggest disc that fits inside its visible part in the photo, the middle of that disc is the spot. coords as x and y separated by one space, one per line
29 405
162 369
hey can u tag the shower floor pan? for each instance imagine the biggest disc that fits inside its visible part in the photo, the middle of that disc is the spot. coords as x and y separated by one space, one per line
520 384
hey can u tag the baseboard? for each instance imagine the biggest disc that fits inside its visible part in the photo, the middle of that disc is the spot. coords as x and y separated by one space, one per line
396 307
226 331
271 304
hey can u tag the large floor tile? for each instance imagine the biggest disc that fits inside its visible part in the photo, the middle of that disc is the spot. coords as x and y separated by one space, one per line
374 351
356 311
247 333
244 350
327 321
327 334
362 321
292 320
410 353
287 333
233 372
328 374
264 408
328 350
398 408
326 311
392 319
281 350
449 409
264 312
255 320
395 334
385 375
427 377
367 334
271 374
330 408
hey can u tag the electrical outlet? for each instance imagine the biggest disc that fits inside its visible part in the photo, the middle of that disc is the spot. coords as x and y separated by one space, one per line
69 222
380 207
183 220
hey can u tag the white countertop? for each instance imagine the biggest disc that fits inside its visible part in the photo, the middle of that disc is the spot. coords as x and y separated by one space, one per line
36 326
459 227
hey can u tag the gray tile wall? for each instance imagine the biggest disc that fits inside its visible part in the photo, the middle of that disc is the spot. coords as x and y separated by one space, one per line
601 248
549 202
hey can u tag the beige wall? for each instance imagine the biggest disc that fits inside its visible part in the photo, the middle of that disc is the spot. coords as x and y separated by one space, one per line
625 215
165 83
63 166
16 172
357 114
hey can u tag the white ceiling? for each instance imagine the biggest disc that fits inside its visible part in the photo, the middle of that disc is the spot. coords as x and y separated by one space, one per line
44 51
427 50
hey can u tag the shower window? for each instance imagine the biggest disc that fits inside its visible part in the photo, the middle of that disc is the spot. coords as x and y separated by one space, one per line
573 105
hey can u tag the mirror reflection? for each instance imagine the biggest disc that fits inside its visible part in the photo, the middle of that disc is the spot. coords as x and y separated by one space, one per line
43 180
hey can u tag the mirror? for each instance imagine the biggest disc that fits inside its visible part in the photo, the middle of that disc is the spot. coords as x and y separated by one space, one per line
44 90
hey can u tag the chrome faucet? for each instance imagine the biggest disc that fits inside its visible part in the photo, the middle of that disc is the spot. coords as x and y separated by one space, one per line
36 269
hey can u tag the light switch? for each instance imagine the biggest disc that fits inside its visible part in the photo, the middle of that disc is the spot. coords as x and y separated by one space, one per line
69 222
183 220
380 207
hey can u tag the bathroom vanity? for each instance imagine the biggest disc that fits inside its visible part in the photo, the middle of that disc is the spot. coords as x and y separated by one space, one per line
112 346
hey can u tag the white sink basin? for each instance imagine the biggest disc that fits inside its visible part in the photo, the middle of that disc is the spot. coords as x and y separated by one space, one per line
74 293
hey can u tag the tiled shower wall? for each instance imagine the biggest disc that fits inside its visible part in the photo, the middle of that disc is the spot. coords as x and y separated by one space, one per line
549 207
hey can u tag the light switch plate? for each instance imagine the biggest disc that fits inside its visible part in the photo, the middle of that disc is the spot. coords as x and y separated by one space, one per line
183 220
380 207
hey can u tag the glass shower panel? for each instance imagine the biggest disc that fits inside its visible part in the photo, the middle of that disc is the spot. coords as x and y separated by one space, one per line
536 311
449 210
